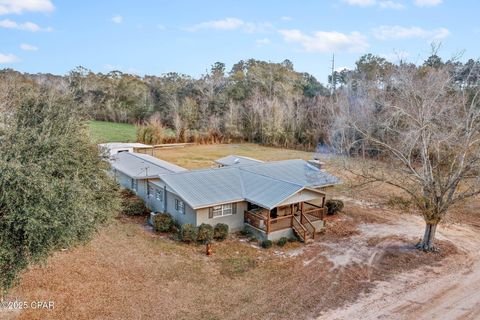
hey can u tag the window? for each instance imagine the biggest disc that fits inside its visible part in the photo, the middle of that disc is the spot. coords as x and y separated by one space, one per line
159 195
223 210
180 206
134 185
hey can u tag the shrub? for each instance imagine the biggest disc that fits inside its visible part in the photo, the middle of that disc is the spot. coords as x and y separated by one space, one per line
220 232
245 232
133 206
267 244
162 222
333 206
282 241
188 233
205 233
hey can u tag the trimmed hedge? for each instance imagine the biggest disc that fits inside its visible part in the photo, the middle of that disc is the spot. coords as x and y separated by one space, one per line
162 222
220 232
205 233
188 233
333 206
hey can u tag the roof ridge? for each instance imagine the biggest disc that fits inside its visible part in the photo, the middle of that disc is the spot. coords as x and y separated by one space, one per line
269 177
136 155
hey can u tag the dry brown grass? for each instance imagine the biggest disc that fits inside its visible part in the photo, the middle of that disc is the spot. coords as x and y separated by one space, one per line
127 272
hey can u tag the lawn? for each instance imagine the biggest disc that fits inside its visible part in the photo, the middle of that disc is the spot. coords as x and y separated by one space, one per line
103 131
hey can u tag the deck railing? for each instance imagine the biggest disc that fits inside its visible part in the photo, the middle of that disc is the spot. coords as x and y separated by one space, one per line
317 213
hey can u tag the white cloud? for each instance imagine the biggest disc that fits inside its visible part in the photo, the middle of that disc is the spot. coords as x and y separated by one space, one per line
327 41
8 58
231 24
388 4
360 3
427 3
399 32
286 18
117 19
27 26
263 42
28 47
20 6
161 27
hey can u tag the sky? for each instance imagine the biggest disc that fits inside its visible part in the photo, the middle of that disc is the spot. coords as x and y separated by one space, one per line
188 36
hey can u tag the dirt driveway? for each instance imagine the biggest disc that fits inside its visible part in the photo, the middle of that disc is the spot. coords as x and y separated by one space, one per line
446 291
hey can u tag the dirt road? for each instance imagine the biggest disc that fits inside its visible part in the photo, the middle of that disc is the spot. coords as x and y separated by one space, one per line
442 292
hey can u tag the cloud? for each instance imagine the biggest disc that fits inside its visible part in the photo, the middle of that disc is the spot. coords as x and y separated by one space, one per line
117 19
384 4
263 42
27 26
427 3
399 32
8 58
231 24
360 3
286 18
388 4
28 47
325 41
20 6
161 27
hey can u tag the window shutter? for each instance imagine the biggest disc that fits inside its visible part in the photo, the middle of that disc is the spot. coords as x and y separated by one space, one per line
234 208
210 212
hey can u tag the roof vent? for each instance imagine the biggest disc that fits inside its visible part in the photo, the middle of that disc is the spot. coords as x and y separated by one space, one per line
236 161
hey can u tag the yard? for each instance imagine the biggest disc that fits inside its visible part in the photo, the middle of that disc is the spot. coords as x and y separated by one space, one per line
364 263
104 131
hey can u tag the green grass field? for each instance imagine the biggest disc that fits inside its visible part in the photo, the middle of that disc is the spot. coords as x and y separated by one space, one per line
103 131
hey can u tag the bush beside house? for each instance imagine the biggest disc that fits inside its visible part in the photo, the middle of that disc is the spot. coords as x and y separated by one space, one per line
163 222
220 232
333 206
132 205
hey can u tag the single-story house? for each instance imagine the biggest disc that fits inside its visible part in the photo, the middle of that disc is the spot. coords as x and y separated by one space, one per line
272 200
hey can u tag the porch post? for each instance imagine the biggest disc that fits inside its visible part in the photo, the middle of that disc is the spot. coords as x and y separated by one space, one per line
301 210
268 222
323 202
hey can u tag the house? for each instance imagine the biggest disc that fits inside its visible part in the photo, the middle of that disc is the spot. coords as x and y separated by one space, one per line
117 147
270 199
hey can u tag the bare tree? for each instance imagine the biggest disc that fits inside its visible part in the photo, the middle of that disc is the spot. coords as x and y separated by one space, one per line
426 132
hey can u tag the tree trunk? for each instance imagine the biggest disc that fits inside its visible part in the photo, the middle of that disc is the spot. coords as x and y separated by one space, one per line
427 243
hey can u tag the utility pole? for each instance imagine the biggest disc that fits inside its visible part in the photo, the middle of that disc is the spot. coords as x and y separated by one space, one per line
333 84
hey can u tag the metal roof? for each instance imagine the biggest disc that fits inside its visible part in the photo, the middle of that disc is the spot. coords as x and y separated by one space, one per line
266 184
142 166
200 188
120 145
233 160
295 171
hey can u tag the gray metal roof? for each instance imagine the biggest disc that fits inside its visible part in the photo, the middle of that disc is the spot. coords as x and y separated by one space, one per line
233 160
200 188
265 184
295 171
142 166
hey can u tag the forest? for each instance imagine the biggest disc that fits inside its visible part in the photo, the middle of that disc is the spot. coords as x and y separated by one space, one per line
256 101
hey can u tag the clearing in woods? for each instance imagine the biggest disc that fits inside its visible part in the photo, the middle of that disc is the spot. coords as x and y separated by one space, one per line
364 266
